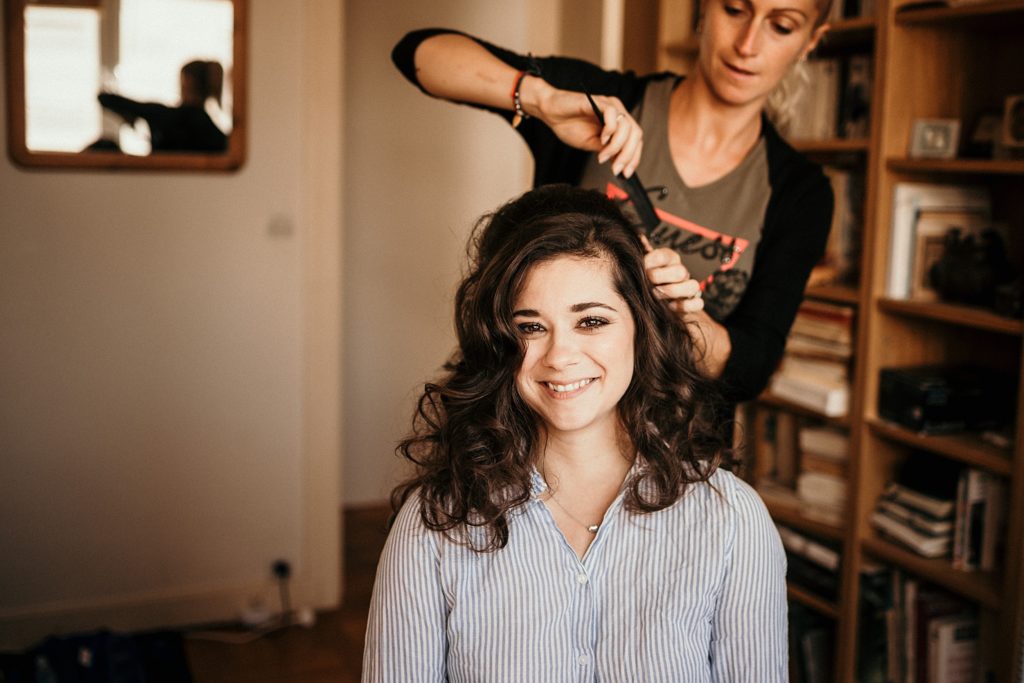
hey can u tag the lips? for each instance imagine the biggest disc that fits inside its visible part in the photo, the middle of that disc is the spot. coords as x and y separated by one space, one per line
737 70
569 389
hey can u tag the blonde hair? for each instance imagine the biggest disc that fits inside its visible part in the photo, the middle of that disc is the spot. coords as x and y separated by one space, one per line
783 102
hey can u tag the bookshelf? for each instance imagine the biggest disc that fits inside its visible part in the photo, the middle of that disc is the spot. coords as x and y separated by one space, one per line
962 48
928 62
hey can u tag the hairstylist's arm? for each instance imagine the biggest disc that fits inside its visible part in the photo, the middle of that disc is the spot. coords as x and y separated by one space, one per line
455 67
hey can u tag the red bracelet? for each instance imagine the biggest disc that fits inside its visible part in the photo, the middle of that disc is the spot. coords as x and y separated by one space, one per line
520 115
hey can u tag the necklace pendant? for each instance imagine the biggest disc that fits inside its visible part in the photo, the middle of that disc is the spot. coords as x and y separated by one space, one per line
593 528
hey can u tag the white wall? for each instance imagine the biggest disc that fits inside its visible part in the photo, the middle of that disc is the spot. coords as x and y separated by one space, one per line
419 173
162 338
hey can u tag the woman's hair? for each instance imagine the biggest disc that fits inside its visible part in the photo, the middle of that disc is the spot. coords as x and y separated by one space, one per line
785 99
475 440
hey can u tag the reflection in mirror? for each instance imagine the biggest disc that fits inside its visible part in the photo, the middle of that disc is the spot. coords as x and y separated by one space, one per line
138 83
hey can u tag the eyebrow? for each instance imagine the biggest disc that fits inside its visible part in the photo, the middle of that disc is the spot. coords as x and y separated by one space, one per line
575 308
749 3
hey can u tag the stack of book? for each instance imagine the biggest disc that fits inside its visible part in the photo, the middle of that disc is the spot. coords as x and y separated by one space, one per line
967 526
923 523
811 565
914 632
814 372
821 484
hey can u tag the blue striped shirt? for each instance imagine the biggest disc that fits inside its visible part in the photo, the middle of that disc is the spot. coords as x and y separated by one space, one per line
694 592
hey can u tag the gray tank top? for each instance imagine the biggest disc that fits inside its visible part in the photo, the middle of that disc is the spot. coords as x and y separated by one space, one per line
714 227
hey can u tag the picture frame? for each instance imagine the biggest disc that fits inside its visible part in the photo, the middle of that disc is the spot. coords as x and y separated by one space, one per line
930 231
1013 122
934 139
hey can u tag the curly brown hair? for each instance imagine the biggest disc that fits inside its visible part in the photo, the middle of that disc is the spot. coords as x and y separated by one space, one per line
475 441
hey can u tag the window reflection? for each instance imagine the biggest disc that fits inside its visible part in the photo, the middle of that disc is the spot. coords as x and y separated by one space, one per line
136 54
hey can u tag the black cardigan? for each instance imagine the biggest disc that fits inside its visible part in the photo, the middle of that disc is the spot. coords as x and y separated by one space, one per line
796 222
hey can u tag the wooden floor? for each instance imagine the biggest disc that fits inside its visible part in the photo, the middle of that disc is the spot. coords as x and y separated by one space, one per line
330 651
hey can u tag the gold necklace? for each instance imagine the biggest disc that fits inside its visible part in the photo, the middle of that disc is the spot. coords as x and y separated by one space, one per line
592 528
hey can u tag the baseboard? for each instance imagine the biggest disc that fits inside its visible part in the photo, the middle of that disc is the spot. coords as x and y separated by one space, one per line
23 627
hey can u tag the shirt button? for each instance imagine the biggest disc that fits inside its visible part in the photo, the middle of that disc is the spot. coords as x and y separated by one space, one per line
583 660
581 578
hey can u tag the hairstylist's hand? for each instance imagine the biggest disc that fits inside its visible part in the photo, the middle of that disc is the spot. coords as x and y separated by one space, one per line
672 280
569 115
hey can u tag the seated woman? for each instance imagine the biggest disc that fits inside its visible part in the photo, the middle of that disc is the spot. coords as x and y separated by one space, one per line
567 519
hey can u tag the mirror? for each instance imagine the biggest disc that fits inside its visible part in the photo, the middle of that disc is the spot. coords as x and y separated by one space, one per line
148 84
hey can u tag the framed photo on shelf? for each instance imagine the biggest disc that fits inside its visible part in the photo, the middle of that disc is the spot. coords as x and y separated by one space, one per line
929 243
985 135
1013 122
934 139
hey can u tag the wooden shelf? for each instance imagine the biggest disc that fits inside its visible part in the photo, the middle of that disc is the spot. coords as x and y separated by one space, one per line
833 145
973 166
964 316
839 294
809 599
998 13
847 33
982 587
773 401
966 448
785 510
853 25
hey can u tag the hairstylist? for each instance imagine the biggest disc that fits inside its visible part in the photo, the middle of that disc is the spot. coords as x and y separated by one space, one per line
744 217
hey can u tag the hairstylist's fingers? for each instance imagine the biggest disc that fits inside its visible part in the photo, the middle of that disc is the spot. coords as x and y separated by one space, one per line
631 165
690 289
661 257
621 145
667 275
629 157
647 246
686 305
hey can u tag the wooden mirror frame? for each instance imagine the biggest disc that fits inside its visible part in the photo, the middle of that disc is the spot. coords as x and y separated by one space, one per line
232 159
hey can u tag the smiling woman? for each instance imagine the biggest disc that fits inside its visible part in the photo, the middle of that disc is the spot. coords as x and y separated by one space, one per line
567 516
126 83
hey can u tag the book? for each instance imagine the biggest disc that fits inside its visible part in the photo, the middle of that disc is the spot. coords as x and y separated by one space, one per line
909 200
821 488
785 447
927 605
905 535
926 524
953 649
812 368
824 396
813 462
825 442
799 544
826 321
855 99
840 263
811 645
874 615
937 508
980 513
811 347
